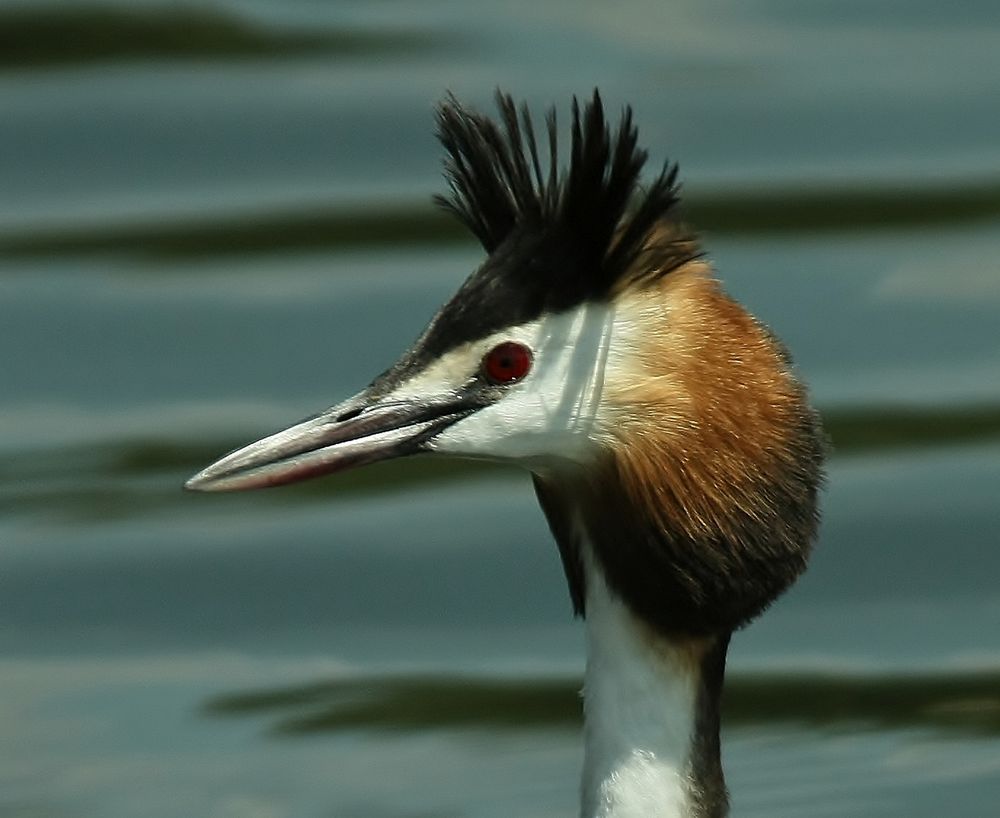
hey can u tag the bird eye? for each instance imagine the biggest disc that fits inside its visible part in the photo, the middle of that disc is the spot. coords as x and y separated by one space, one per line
507 362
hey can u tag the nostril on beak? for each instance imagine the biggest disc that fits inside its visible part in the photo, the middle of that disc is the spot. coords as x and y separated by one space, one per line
350 414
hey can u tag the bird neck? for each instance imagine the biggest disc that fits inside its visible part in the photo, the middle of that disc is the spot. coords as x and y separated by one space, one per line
651 717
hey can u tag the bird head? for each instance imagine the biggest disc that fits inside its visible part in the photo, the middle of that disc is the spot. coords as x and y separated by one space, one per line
666 432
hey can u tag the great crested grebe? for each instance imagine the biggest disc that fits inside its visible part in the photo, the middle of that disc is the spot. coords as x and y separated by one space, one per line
672 449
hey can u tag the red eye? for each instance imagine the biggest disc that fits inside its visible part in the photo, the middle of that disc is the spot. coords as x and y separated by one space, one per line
507 362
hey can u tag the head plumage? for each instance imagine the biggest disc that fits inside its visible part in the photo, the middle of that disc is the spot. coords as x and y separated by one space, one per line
556 238
594 207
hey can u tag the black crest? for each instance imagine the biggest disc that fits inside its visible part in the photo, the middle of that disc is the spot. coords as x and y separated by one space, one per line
594 208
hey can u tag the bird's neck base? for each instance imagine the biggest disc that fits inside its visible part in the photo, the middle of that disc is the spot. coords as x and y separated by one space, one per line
651 717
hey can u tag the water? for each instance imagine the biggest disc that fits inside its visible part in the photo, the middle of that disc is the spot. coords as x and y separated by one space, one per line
215 222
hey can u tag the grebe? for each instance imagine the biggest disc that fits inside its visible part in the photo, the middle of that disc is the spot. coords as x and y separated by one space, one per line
673 451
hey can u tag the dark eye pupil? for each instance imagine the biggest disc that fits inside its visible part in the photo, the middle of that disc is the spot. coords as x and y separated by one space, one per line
507 362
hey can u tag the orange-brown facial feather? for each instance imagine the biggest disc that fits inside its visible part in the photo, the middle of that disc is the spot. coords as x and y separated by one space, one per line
701 506
703 427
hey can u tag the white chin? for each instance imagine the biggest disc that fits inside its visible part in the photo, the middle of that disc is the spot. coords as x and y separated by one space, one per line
497 433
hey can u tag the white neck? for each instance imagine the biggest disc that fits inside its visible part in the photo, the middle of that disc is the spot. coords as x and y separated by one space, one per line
640 699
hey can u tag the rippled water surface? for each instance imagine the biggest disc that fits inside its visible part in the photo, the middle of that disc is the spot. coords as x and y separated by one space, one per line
215 219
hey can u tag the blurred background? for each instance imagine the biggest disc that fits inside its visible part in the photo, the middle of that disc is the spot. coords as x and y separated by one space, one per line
215 220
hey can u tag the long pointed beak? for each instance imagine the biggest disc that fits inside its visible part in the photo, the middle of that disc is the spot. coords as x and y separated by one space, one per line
348 435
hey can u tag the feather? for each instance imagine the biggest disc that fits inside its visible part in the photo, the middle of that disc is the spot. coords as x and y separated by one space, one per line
595 205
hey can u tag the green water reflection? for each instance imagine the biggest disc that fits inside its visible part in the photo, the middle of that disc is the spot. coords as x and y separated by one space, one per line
768 211
50 35
957 703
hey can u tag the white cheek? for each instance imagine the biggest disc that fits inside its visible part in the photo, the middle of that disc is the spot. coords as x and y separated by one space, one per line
449 373
554 410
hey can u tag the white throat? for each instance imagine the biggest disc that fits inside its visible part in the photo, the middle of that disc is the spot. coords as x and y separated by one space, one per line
640 698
